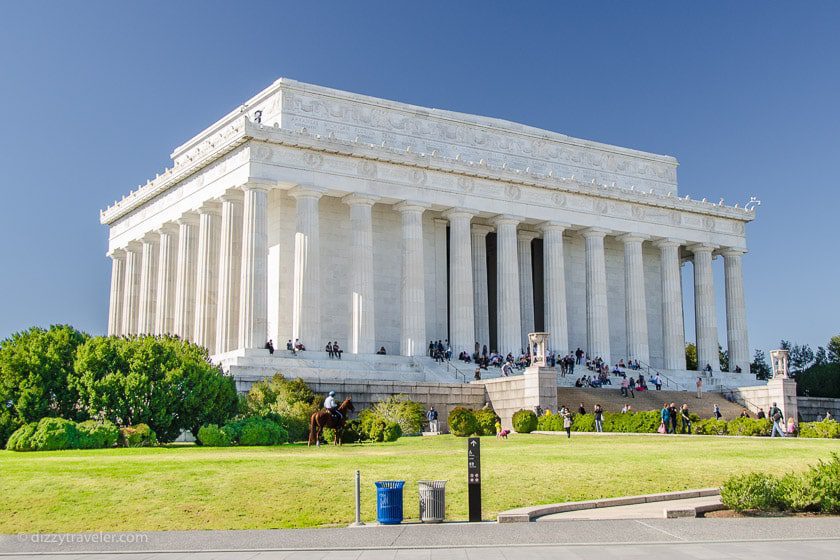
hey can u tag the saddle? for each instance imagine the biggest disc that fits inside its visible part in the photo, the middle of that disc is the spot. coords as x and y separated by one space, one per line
334 413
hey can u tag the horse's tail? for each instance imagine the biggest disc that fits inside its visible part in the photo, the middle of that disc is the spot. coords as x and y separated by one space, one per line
313 428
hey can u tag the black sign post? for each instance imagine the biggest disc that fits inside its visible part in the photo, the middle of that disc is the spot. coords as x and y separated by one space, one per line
474 477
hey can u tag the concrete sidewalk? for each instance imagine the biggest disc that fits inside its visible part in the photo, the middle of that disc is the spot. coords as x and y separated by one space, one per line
648 510
765 538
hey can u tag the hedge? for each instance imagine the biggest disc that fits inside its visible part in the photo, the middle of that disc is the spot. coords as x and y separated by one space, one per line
52 434
822 429
524 421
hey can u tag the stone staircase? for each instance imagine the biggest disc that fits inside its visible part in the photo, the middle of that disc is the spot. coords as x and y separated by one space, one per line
612 401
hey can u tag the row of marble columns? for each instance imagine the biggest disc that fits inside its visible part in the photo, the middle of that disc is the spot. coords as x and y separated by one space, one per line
205 279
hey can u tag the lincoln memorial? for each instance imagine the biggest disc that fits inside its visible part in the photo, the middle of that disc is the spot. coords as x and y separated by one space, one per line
315 214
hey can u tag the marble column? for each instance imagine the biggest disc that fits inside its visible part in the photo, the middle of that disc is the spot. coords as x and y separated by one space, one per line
148 284
306 305
461 305
167 259
705 314
253 294
207 276
480 293
635 303
597 316
413 289
115 306
130 289
554 271
230 266
673 330
185 273
736 312
526 285
508 310
362 326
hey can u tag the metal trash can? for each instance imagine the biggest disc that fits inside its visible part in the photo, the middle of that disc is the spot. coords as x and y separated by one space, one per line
432 500
389 501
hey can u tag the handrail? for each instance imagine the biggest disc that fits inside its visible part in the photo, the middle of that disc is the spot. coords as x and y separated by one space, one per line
668 380
458 372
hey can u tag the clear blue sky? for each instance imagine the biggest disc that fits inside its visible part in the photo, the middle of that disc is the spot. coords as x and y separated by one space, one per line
746 95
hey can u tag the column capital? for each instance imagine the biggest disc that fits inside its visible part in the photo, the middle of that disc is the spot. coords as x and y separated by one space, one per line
210 207
133 246
554 226
455 213
527 235
258 184
701 248
355 199
233 195
668 242
411 206
150 237
729 252
481 229
632 237
188 218
116 254
168 228
593 232
306 191
506 219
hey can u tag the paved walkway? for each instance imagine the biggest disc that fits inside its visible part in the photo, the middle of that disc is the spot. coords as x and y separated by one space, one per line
653 510
787 538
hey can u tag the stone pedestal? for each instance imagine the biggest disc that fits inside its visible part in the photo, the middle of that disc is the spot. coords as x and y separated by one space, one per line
540 388
782 391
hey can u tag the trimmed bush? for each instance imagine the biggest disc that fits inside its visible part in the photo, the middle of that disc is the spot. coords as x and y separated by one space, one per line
524 421
255 431
549 422
55 433
822 429
581 423
754 491
645 422
21 439
140 435
211 435
462 422
400 409
485 420
95 434
710 427
748 427
392 432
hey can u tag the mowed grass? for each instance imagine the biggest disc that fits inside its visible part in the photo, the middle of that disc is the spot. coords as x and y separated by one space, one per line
187 487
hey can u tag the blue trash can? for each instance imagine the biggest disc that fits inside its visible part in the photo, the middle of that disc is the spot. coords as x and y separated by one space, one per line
389 502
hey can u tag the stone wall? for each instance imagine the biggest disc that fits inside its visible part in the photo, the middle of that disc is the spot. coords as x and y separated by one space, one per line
814 408
538 386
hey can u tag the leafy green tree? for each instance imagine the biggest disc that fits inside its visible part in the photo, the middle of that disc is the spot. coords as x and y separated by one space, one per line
723 355
819 381
833 350
691 356
820 357
34 367
164 382
759 365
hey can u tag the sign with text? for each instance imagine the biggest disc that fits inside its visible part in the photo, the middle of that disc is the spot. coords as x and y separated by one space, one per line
474 477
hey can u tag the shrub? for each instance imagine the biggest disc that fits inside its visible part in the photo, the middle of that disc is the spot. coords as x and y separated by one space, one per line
55 433
212 435
632 422
162 381
485 420
21 439
582 423
462 422
751 491
550 422
407 413
352 432
392 432
95 434
822 429
710 427
34 369
140 435
748 427
795 493
291 399
254 431
524 421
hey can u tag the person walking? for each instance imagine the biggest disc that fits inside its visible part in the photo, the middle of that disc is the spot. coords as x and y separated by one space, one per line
432 416
699 385
686 420
716 413
567 423
665 418
599 418
672 414
778 420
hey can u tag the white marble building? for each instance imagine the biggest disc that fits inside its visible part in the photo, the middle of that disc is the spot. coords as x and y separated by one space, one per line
318 214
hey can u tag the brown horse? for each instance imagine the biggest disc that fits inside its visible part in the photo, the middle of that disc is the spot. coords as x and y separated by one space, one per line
323 419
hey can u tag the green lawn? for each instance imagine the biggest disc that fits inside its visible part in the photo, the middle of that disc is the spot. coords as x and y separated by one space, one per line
186 487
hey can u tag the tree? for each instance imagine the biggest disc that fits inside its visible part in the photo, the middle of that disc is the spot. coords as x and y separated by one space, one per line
723 356
34 367
819 381
690 356
820 357
164 382
833 350
759 365
801 357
